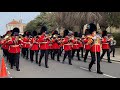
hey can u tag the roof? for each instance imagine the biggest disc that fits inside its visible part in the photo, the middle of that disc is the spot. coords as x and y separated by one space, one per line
14 22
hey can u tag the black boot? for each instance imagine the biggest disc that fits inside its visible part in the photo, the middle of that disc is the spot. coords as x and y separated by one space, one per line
46 66
17 69
11 67
98 68
36 62
39 62
84 60
99 72
79 59
109 61
70 62
90 65
58 60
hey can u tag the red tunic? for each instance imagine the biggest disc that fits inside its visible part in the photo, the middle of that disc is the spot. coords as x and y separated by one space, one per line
34 44
26 43
55 44
67 46
44 44
95 47
14 47
76 44
87 46
105 44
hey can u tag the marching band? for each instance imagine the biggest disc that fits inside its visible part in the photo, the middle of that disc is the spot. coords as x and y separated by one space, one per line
13 44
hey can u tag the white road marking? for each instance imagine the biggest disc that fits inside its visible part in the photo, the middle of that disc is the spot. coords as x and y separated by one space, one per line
109 76
103 74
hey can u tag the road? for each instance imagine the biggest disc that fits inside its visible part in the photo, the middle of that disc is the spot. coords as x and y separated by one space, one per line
56 69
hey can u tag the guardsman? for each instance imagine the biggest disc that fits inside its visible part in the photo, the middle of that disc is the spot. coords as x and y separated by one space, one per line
87 47
105 46
14 48
76 47
67 47
44 45
94 40
56 46
26 45
34 47
4 44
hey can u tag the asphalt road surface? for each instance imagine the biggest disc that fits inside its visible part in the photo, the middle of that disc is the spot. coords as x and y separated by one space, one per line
56 69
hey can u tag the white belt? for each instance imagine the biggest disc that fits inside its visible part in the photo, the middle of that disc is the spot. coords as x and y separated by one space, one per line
14 45
67 44
75 44
104 43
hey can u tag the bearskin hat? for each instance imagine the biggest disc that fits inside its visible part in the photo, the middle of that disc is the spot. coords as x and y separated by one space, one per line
34 33
55 32
91 27
16 30
75 34
25 33
43 29
28 33
104 33
46 32
66 32
59 36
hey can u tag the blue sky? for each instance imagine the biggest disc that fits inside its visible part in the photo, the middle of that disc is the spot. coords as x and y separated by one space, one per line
6 17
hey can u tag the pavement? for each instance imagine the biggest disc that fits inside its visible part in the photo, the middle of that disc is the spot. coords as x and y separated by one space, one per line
56 69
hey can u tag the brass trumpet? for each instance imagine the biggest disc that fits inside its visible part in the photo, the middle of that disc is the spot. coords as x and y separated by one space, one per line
7 37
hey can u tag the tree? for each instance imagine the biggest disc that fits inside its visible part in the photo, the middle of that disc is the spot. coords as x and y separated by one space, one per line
45 18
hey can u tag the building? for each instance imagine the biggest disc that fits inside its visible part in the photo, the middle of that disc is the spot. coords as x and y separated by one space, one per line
15 23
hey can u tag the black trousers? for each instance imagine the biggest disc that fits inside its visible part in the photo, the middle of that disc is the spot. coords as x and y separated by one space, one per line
73 52
61 50
5 52
14 59
81 49
22 52
8 56
44 52
108 54
32 55
56 51
50 52
67 53
112 50
86 54
94 59
25 52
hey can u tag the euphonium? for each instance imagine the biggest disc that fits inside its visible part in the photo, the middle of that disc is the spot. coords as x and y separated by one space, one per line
20 37
89 39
